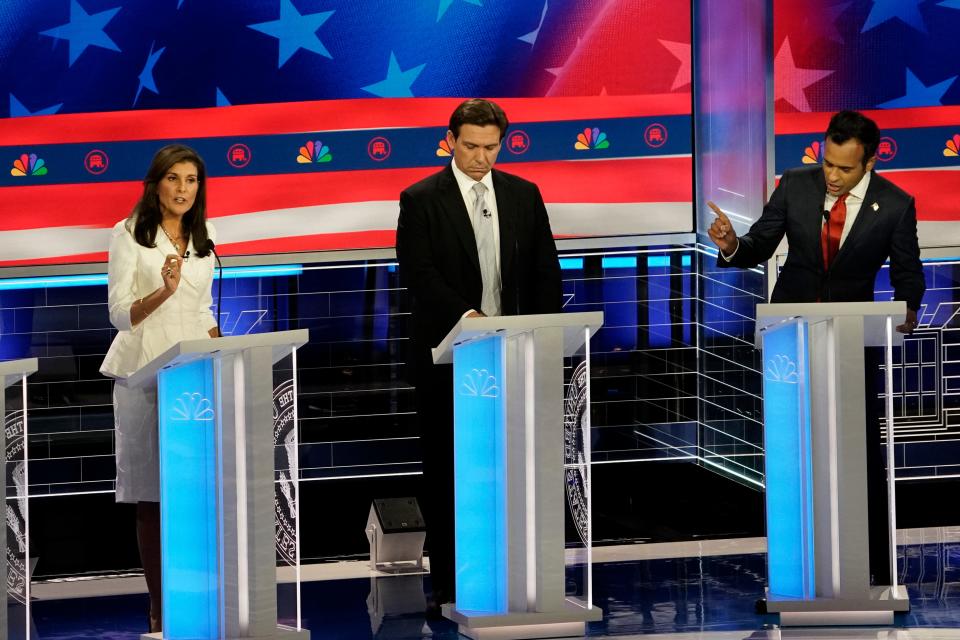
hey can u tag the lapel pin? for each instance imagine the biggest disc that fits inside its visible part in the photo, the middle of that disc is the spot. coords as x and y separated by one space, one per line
875 206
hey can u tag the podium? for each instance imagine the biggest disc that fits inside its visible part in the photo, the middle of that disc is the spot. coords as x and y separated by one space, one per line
214 398
815 454
15 563
509 475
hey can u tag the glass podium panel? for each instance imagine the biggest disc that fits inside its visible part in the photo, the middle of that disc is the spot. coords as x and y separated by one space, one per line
287 491
576 478
16 616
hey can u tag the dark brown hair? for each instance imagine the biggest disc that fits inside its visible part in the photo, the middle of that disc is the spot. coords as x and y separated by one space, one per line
146 215
479 112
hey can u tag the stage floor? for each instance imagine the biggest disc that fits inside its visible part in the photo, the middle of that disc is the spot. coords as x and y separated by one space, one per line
679 591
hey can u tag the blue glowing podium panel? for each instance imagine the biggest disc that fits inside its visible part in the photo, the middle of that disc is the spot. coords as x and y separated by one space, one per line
786 433
217 486
816 461
509 475
187 401
480 476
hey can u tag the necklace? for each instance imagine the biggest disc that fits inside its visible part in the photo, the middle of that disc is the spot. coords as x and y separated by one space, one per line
176 245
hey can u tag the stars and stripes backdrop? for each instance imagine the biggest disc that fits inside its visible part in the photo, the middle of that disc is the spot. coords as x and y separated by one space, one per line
894 59
312 115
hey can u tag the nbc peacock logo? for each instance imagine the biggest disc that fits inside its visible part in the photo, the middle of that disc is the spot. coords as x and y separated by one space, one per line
28 165
443 149
314 151
952 148
813 154
479 382
591 138
780 368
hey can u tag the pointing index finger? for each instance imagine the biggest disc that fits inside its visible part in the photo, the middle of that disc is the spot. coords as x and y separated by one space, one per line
720 214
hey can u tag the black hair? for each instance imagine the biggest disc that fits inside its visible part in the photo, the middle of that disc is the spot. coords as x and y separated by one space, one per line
845 125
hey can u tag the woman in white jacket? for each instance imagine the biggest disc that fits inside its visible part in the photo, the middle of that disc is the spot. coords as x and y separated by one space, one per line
159 292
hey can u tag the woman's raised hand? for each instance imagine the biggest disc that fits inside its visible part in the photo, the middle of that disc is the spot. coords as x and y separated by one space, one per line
170 272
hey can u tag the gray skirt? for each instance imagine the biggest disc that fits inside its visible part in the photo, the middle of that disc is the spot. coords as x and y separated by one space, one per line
138 447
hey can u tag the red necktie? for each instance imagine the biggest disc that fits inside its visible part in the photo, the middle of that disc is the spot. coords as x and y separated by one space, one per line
832 230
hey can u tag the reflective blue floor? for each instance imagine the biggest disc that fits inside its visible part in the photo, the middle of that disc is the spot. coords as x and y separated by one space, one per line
709 594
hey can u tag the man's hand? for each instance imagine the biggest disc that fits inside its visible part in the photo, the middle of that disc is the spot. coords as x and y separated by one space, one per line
474 314
910 323
721 231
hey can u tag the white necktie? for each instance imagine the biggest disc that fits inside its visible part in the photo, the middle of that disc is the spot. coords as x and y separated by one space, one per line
483 231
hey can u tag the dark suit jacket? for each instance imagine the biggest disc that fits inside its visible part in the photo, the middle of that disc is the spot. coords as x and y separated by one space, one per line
796 209
438 257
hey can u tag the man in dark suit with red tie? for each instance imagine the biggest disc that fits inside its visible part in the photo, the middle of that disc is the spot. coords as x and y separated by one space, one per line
471 240
865 216
842 221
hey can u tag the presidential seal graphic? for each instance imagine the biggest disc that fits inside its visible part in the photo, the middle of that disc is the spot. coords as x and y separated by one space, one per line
576 430
16 508
285 464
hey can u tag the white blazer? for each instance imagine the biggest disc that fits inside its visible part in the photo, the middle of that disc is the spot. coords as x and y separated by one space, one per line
133 273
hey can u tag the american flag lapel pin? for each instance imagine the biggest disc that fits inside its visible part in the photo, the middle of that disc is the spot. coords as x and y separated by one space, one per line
875 206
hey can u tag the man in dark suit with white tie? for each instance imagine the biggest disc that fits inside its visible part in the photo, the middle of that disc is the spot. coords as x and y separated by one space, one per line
842 221
471 240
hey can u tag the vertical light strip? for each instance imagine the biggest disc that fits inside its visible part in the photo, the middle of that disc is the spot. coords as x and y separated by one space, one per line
240 447
806 460
701 400
832 459
587 473
295 472
26 509
891 469
530 477
219 491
